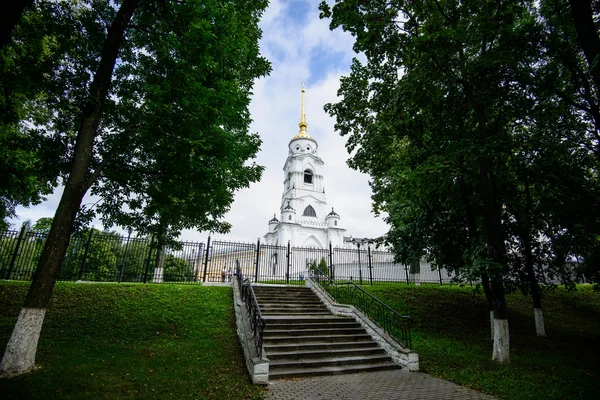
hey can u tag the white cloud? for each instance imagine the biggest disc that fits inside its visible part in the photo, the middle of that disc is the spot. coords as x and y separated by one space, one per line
292 48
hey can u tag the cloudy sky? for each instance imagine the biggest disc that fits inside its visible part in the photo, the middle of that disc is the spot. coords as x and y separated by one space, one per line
300 47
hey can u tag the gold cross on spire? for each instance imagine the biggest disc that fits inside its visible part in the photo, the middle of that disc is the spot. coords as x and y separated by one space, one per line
303 125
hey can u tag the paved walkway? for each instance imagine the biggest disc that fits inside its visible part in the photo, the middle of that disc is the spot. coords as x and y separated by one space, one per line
385 385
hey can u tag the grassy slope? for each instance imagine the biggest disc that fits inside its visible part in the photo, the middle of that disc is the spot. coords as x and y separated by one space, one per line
131 342
451 334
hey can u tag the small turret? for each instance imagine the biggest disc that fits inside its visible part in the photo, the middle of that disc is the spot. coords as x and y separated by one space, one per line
288 214
333 219
273 224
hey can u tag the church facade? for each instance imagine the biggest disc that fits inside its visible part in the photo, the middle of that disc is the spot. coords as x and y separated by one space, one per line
305 219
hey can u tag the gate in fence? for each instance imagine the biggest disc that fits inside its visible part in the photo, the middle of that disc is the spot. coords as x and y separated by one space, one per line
108 257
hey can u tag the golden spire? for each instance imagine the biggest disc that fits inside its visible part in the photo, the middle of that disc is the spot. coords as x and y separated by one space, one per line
303 125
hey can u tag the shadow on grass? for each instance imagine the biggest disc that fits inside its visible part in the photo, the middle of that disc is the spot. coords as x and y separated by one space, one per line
451 334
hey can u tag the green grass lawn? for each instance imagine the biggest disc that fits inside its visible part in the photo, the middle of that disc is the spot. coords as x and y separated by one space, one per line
451 334
131 341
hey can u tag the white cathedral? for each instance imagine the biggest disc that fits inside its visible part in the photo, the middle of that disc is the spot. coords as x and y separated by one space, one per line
305 219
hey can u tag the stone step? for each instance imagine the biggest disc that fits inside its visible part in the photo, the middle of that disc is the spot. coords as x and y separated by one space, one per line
271 297
318 354
316 339
260 298
313 332
282 365
305 313
289 301
282 290
290 305
309 326
337 370
276 320
291 347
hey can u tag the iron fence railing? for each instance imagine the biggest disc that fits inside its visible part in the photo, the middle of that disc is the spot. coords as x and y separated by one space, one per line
109 257
257 322
391 321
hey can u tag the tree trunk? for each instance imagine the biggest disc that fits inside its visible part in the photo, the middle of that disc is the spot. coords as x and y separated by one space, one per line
19 356
534 287
472 229
501 352
487 290
159 263
581 10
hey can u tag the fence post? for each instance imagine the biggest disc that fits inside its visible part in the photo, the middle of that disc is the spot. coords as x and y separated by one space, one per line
13 260
198 262
406 269
440 275
288 257
257 260
85 253
331 262
359 266
206 259
370 265
148 260
125 256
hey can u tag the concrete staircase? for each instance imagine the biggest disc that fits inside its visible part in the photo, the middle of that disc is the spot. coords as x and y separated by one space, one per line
303 338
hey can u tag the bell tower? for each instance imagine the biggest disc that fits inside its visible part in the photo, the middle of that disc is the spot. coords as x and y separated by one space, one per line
305 217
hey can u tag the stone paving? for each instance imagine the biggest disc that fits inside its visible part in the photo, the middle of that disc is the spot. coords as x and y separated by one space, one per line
385 385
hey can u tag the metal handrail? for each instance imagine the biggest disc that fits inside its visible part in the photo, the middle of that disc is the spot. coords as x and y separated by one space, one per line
257 322
391 321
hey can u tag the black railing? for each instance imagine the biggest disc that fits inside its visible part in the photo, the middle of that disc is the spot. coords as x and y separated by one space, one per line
93 255
391 321
257 322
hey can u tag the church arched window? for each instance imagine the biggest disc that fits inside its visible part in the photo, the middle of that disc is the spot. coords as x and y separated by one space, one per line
335 223
309 212
290 218
308 177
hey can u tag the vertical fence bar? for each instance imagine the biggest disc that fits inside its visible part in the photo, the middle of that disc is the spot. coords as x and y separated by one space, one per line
13 259
85 253
206 259
370 265
198 262
359 266
440 275
125 257
289 259
331 262
257 260
406 270
148 259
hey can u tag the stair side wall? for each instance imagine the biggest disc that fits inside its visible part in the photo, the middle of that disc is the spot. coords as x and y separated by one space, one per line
406 358
258 368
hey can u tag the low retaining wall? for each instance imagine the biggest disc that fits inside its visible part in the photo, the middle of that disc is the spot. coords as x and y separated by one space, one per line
408 359
258 368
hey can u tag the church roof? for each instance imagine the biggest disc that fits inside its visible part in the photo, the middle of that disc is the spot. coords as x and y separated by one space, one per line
333 213
288 207
274 219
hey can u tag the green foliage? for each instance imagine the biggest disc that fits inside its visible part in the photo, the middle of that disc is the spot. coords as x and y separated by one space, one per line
177 270
467 118
173 142
131 342
451 335
42 225
28 158
320 267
